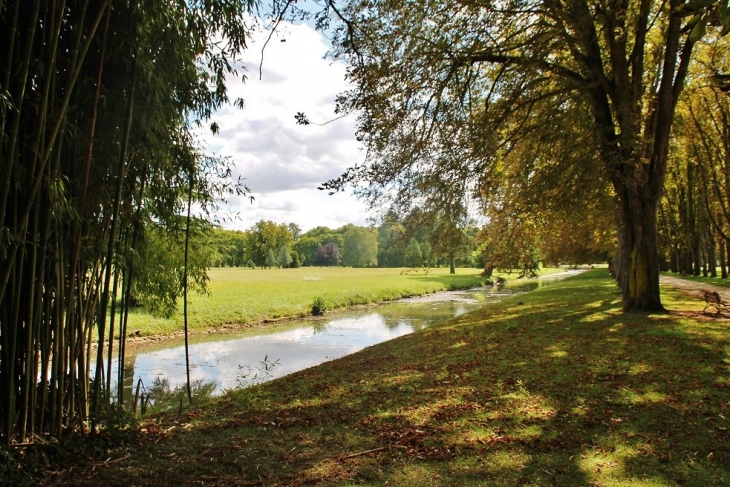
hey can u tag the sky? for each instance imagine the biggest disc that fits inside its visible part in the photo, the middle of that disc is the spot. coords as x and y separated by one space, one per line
282 162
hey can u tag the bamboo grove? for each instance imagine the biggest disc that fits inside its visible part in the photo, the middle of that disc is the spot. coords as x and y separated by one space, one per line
98 102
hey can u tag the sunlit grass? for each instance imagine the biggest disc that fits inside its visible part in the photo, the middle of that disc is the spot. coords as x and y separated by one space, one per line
240 295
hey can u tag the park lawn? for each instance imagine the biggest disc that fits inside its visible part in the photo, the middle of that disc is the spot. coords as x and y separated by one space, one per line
240 295
554 387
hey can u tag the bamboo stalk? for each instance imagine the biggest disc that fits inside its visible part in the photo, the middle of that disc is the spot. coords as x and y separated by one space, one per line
185 288
55 130
112 316
21 77
112 241
30 320
127 287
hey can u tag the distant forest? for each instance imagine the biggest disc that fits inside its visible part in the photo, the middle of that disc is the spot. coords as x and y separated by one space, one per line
394 243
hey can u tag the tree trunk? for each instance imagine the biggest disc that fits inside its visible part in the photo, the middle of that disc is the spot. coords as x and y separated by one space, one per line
637 260
711 257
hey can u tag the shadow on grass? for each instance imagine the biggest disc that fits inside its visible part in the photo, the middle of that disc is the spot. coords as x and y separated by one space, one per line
564 389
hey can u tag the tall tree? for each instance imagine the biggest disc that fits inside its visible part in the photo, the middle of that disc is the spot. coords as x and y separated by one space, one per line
266 235
308 244
360 247
327 255
694 212
391 242
413 254
284 257
431 76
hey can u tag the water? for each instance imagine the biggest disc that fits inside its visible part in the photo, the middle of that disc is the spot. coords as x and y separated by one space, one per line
224 361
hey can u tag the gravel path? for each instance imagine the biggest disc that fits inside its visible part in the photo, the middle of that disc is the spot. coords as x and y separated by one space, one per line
693 287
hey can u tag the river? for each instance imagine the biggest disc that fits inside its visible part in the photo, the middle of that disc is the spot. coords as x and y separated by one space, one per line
220 361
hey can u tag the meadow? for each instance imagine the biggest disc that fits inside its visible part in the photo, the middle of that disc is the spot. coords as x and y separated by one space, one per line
554 387
244 296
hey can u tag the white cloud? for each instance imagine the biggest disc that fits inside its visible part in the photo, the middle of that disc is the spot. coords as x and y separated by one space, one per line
284 163
306 207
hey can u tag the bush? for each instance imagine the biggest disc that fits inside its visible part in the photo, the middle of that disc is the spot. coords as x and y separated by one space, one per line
318 306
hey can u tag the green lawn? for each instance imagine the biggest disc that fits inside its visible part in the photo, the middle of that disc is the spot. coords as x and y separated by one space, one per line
240 295
557 387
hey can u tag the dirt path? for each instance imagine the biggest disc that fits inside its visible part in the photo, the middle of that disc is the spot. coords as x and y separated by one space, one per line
693 287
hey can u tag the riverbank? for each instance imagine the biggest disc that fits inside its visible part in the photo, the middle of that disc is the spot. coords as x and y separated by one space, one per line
553 387
242 297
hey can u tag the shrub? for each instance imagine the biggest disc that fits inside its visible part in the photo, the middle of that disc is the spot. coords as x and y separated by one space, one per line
318 306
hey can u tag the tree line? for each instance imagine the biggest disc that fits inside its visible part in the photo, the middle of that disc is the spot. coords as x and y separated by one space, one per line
268 244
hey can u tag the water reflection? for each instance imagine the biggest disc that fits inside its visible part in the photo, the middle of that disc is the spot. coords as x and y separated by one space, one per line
220 362
163 397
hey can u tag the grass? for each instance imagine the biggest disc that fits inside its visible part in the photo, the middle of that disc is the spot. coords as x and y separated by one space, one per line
553 387
240 295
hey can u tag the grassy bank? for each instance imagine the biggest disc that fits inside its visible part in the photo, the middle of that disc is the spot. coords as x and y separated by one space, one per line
240 295
554 387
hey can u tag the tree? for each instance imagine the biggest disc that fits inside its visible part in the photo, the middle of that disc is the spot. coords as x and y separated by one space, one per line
426 253
693 211
360 247
295 262
295 231
309 242
414 258
707 108
270 259
159 282
266 235
510 242
285 257
443 224
431 77
327 255
230 245
391 245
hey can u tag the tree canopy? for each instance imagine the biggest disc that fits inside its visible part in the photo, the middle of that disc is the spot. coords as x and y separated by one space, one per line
360 247
449 94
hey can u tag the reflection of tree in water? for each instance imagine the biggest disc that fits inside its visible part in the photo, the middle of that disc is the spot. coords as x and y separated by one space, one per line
422 315
524 286
263 372
164 398
319 326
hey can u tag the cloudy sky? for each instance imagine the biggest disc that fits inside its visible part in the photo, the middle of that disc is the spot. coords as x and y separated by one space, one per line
283 163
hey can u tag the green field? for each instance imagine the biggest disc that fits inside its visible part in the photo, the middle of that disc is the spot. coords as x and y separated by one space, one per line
554 387
240 295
